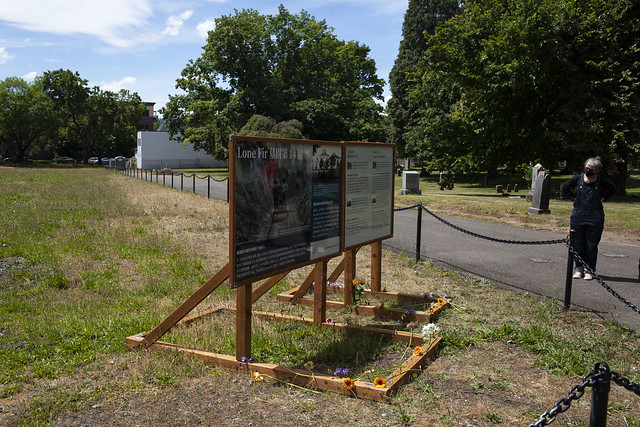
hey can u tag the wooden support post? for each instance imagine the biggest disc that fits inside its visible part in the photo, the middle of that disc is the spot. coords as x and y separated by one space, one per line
243 321
376 266
187 306
320 292
349 275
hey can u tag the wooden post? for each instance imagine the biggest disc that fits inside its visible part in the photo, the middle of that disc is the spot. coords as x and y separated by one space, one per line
376 266
320 292
243 321
349 275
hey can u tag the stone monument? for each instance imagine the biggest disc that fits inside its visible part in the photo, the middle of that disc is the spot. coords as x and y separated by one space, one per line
540 190
410 183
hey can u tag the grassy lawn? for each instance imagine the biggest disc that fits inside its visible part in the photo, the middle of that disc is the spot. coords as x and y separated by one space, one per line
89 257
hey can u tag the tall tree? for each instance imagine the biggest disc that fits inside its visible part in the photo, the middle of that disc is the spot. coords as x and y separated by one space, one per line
422 18
283 66
26 116
93 121
510 81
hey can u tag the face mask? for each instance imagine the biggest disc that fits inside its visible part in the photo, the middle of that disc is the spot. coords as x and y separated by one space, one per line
589 172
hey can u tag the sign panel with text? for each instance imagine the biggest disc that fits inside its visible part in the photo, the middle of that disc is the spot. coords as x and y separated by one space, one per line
369 181
285 204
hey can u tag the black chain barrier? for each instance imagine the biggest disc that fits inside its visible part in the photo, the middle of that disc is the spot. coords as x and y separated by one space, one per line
493 239
600 280
566 241
600 373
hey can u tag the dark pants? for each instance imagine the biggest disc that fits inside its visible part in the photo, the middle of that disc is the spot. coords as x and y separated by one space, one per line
586 243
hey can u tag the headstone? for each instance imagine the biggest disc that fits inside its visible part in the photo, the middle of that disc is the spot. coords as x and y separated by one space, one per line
540 190
499 189
410 183
508 188
515 188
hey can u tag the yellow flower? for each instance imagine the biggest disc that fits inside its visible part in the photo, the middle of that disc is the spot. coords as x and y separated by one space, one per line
309 365
257 376
432 310
441 301
355 282
417 351
380 382
348 383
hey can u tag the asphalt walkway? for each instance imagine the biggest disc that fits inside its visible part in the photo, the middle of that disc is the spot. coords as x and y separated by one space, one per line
537 269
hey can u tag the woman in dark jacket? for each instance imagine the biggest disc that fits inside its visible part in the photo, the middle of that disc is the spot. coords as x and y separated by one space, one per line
587 190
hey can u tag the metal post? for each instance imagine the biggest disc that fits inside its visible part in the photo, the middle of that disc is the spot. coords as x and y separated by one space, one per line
181 181
164 177
569 278
208 186
194 182
419 233
600 399
171 179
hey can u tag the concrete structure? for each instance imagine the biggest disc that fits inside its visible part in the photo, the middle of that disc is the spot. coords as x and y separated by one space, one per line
156 151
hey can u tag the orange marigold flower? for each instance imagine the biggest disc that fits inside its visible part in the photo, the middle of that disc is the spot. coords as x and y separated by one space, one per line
417 351
441 301
380 382
257 376
432 310
348 383
355 282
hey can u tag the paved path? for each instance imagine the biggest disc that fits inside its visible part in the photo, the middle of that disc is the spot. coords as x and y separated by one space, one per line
538 269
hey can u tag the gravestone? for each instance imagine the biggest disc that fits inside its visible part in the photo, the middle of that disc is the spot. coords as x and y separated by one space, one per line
515 188
410 183
540 190
499 189
508 188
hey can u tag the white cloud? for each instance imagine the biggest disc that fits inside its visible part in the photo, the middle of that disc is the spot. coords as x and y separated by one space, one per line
4 56
175 22
112 21
30 76
126 83
204 27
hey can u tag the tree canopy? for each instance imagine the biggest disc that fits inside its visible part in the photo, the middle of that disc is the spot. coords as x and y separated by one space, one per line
92 121
27 117
507 82
283 66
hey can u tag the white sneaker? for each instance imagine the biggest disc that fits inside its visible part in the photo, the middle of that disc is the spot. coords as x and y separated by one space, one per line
588 276
577 275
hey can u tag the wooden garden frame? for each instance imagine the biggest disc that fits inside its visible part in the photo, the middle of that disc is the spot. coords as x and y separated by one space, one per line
246 296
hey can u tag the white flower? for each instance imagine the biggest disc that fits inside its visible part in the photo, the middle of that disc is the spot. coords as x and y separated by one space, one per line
430 329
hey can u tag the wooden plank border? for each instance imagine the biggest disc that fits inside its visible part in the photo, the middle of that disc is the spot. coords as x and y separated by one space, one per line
304 378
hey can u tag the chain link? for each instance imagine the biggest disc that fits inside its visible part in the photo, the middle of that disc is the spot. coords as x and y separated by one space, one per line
493 239
600 280
601 372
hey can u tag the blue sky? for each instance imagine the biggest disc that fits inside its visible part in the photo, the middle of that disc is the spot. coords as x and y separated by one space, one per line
143 45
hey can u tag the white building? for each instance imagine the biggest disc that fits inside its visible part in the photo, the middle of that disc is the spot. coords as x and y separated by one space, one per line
156 151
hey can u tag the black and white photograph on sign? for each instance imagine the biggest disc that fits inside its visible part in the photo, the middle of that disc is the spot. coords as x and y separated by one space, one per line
325 230
285 210
369 193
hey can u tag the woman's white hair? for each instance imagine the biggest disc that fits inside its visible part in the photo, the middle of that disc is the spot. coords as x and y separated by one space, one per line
595 161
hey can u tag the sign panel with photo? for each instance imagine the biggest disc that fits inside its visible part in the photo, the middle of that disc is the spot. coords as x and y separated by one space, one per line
285 200
368 193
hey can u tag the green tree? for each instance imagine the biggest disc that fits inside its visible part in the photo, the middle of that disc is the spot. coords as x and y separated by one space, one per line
509 82
93 122
26 116
422 17
285 66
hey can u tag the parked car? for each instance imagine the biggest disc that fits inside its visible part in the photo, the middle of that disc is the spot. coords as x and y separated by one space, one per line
66 160
93 160
107 162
